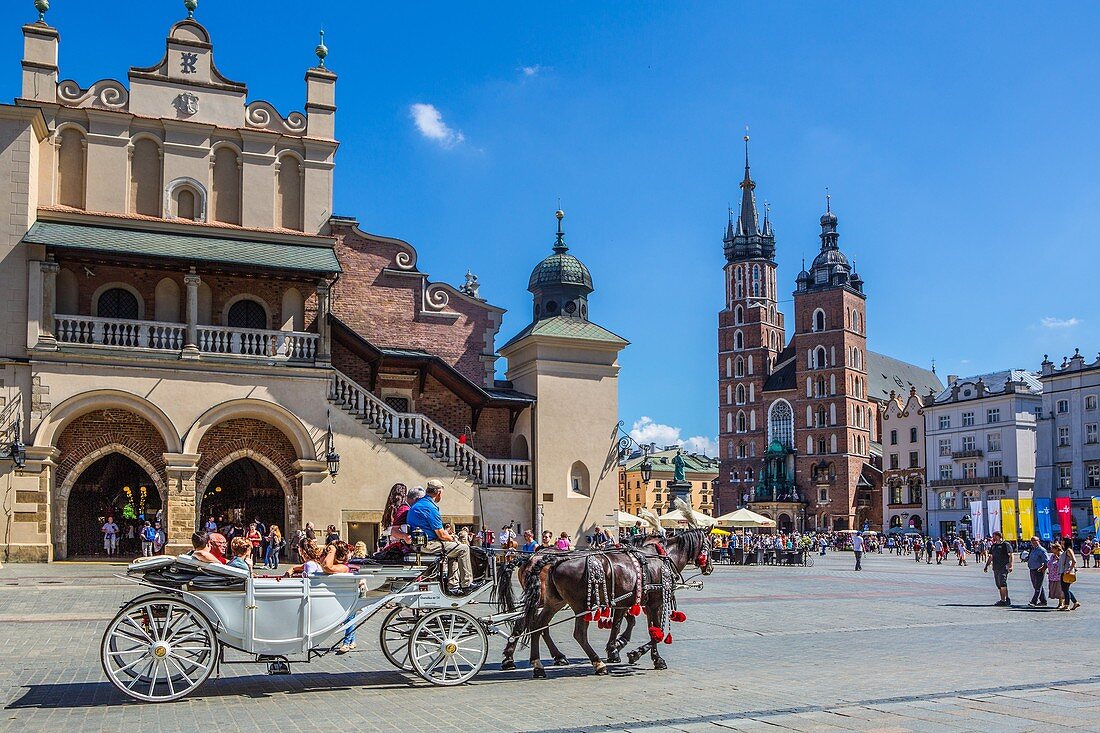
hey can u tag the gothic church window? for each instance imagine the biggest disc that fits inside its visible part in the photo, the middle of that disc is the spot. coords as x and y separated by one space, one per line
819 320
740 394
739 367
781 424
738 315
742 422
756 280
738 341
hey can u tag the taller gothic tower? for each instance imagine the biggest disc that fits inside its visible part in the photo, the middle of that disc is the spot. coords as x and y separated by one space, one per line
750 337
834 422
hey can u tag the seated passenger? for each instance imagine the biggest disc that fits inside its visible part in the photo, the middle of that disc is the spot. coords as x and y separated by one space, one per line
309 553
360 550
529 544
424 515
200 542
398 531
242 554
335 558
219 546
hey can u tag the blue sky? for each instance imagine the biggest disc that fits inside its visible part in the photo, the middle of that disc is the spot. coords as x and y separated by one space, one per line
958 141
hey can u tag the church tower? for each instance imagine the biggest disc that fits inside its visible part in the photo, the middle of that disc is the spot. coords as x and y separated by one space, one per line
750 337
834 422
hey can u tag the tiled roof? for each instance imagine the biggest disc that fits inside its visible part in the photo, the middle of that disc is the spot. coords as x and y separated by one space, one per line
995 383
782 378
185 247
567 327
662 462
885 373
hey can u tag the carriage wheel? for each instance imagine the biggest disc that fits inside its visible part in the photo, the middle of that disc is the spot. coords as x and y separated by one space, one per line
809 561
394 636
448 647
158 649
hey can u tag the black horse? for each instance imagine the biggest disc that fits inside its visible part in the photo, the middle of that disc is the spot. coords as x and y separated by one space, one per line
622 582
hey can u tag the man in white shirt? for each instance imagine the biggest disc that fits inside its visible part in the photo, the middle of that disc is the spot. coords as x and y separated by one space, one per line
857 548
110 536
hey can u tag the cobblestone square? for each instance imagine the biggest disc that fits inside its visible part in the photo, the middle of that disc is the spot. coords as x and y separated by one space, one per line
900 646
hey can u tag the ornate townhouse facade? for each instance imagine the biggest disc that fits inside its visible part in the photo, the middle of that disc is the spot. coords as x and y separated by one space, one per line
1067 452
903 461
190 331
980 441
799 430
634 492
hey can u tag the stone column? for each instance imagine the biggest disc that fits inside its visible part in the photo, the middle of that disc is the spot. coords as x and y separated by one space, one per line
181 505
324 342
190 348
47 338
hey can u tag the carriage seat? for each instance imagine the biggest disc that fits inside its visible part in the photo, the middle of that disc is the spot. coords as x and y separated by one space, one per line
176 572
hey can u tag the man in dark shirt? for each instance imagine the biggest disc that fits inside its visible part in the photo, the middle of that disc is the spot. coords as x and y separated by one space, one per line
1000 557
1037 566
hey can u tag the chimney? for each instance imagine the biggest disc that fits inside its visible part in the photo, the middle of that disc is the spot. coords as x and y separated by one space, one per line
40 42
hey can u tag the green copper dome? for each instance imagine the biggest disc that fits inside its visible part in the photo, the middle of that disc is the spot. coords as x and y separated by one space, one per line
560 268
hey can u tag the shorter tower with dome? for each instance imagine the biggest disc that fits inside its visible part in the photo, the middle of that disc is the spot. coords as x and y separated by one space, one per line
569 364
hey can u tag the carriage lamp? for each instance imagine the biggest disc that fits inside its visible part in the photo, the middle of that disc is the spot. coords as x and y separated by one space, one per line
418 538
14 449
331 456
647 469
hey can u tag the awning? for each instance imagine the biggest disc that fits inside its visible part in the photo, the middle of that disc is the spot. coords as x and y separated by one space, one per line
125 242
745 518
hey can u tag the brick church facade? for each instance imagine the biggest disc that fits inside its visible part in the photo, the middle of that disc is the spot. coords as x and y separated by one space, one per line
190 331
799 433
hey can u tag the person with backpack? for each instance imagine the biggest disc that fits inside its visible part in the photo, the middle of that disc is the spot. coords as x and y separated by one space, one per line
148 537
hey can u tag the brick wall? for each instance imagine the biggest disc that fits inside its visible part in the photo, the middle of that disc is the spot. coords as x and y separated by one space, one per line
100 428
246 433
385 309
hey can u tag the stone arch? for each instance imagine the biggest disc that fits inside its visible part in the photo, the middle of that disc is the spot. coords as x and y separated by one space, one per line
580 479
71 140
118 286
146 164
166 301
289 169
520 450
61 416
285 480
171 198
245 296
268 412
225 183
293 310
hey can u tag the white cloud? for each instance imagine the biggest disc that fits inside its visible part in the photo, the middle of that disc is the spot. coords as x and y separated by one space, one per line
645 431
1050 322
429 121
531 70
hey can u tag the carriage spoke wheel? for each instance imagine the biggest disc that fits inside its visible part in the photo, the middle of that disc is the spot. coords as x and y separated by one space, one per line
448 647
394 636
158 649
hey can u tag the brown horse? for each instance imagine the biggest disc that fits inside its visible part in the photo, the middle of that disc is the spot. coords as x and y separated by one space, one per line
618 581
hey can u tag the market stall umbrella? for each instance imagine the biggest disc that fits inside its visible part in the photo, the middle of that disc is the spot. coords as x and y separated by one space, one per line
676 518
744 518
625 519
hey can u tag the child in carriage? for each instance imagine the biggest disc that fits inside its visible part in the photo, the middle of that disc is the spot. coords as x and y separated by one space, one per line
310 555
241 548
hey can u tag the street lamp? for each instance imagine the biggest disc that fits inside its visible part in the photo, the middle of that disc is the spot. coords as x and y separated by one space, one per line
625 444
14 450
331 456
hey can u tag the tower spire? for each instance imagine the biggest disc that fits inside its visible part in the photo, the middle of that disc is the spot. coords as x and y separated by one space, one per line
559 244
747 220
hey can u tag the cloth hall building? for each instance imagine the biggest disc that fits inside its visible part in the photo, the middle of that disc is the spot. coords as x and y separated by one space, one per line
800 415
190 331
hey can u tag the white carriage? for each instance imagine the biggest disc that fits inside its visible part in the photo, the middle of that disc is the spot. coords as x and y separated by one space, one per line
165 643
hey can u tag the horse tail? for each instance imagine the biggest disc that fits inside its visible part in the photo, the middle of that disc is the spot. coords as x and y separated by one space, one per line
532 590
506 598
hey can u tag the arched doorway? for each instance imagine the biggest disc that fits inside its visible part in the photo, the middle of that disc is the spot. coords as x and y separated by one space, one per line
114 485
916 523
242 491
785 523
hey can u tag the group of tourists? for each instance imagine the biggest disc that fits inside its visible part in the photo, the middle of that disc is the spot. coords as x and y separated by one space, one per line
146 536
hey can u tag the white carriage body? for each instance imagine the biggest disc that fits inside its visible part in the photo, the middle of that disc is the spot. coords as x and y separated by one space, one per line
289 616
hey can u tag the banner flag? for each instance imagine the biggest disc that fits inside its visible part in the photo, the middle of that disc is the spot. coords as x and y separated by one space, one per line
1042 513
1027 516
993 511
977 520
1096 515
1065 515
1008 519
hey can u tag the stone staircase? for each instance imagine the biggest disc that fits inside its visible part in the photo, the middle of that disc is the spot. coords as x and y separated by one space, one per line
432 438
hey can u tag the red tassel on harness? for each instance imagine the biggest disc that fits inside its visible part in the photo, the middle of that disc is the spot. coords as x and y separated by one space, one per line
604 624
656 634
588 617
607 612
678 616
635 610
668 639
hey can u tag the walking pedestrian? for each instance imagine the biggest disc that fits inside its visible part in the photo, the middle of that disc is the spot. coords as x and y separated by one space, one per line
1068 569
857 548
1000 557
110 536
1054 575
1037 566
938 546
1086 553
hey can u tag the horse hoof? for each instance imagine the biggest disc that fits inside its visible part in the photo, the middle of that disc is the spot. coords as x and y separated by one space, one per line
538 673
659 664
632 657
601 669
508 664
561 661
614 658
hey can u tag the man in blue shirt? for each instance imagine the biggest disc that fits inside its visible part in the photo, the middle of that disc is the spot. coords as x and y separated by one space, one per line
424 515
1037 566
